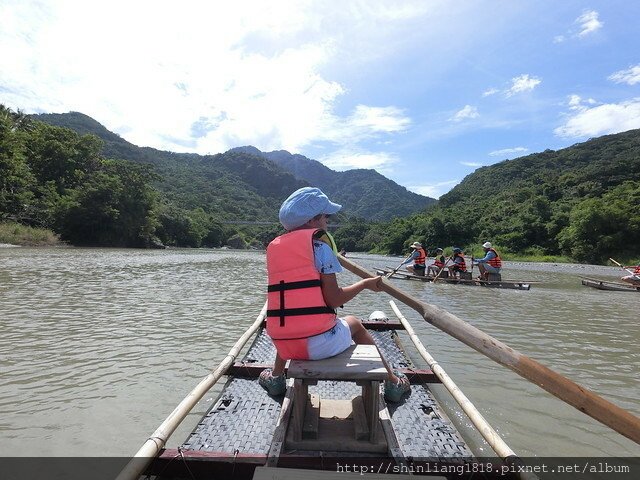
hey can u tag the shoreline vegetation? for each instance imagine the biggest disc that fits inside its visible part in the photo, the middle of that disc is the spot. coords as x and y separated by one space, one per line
16 234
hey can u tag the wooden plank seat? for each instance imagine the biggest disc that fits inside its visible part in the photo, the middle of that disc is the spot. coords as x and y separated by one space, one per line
359 363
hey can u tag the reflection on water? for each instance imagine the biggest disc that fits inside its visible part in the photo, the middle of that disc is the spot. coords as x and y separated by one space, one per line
99 345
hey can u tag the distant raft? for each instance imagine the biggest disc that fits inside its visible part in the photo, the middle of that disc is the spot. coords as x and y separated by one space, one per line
499 283
608 285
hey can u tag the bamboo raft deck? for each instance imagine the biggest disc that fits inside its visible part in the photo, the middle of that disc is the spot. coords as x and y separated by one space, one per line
508 284
413 433
247 428
608 285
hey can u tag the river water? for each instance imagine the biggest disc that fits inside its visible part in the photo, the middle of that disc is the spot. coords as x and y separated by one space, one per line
99 345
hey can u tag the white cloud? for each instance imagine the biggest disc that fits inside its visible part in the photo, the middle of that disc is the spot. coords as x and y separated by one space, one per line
523 83
506 152
601 120
378 119
471 164
467 112
435 190
349 158
203 76
630 76
490 91
576 102
584 25
588 23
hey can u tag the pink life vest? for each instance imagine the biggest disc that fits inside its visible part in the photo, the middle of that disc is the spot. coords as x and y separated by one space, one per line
296 309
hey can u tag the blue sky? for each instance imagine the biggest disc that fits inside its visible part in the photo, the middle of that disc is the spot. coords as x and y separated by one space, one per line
423 91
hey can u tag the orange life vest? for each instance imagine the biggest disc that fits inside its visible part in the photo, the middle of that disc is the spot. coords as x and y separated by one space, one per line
422 257
460 266
296 309
637 270
496 261
439 261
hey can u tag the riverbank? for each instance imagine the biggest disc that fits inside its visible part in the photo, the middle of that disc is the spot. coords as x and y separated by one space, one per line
15 235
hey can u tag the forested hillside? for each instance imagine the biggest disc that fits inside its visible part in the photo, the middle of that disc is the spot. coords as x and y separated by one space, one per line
231 185
54 178
364 193
247 184
582 202
67 173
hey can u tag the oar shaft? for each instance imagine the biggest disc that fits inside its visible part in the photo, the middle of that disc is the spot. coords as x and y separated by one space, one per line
485 429
398 267
584 400
622 267
442 269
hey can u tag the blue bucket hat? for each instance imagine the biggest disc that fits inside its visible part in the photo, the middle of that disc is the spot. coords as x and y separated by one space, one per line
457 250
304 204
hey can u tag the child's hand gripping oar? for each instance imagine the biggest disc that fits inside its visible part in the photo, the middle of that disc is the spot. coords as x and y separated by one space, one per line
388 275
625 269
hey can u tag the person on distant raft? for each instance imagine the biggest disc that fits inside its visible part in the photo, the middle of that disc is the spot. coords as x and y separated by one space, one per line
634 279
458 263
343 252
438 263
419 259
491 263
303 293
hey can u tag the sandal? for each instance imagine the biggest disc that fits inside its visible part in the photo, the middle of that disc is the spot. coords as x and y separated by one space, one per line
393 391
273 385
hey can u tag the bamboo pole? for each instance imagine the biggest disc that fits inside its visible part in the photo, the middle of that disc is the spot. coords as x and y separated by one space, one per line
159 438
566 390
442 269
487 432
388 275
622 267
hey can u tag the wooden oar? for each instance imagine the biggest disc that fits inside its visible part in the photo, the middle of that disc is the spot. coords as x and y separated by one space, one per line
388 275
626 270
442 269
157 440
484 428
566 390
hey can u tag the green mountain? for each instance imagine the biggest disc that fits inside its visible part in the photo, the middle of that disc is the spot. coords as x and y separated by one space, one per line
364 192
247 184
582 202
233 186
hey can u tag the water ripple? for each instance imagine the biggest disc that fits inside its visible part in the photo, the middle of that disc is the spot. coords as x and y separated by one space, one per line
99 345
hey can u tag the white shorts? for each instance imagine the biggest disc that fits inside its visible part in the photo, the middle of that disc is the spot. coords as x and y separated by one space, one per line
330 343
